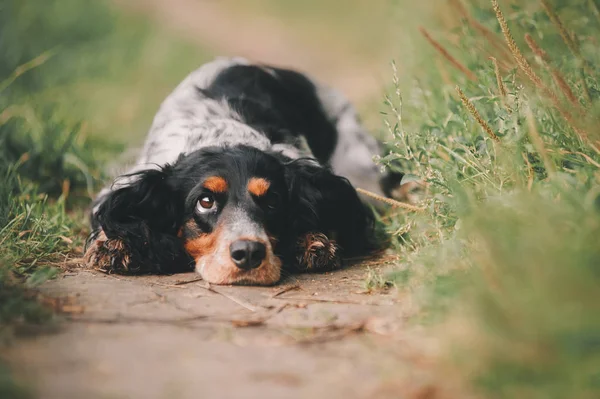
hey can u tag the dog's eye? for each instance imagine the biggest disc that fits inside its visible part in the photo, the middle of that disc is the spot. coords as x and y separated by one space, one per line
206 203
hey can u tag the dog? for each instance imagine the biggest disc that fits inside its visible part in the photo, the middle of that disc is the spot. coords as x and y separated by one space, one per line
248 172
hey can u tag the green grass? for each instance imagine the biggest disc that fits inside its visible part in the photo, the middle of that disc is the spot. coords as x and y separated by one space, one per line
508 253
78 80
504 264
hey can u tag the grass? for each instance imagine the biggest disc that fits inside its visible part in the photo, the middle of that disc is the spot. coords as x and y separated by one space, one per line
77 82
505 262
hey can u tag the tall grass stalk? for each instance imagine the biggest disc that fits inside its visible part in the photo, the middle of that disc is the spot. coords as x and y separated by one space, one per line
505 262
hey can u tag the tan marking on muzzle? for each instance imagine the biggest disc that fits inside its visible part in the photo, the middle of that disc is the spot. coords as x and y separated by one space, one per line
213 261
202 245
258 186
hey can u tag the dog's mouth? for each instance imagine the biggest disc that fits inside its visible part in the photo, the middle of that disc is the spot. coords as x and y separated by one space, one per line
237 251
219 269
243 261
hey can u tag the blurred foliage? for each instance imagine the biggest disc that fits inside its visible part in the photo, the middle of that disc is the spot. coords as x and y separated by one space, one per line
509 248
68 70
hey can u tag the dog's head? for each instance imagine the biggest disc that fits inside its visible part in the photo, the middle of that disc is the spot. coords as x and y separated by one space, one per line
238 212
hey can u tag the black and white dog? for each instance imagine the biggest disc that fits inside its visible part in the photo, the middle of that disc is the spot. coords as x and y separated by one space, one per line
247 171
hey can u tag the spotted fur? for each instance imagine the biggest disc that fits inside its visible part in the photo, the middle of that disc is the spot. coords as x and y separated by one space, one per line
256 141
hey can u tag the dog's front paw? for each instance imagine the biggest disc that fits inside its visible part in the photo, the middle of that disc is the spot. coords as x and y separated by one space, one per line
107 254
317 253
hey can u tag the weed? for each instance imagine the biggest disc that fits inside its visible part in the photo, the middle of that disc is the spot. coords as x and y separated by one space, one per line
508 247
54 123
376 281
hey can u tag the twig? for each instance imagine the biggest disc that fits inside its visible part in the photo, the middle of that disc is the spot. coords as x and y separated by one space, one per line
188 281
332 332
166 285
391 201
239 301
127 319
259 321
285 289
331 300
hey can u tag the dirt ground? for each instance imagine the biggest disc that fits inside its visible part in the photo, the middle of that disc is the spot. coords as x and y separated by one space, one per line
317 336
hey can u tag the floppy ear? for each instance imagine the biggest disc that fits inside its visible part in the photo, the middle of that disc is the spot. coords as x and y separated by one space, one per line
326 208
139 225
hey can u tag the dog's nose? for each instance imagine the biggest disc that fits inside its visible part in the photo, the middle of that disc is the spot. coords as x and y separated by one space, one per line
247 254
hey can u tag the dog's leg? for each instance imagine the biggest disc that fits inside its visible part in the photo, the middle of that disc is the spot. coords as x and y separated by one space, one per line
317 253
108 255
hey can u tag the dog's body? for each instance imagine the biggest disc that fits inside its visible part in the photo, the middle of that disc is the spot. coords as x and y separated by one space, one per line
235 178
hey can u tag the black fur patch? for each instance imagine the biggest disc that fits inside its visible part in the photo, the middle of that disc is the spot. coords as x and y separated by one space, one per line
145 217
304 198
277 102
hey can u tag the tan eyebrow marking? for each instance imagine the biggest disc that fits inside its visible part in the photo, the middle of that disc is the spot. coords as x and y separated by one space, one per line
258 186
216 184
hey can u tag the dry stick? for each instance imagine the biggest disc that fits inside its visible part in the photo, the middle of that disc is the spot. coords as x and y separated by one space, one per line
262 319
331 333
526 68
571 44
473 111
165 285
243 303
333 300
189 281
447 55
390 201
545 61
127 319
538 143
285 289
